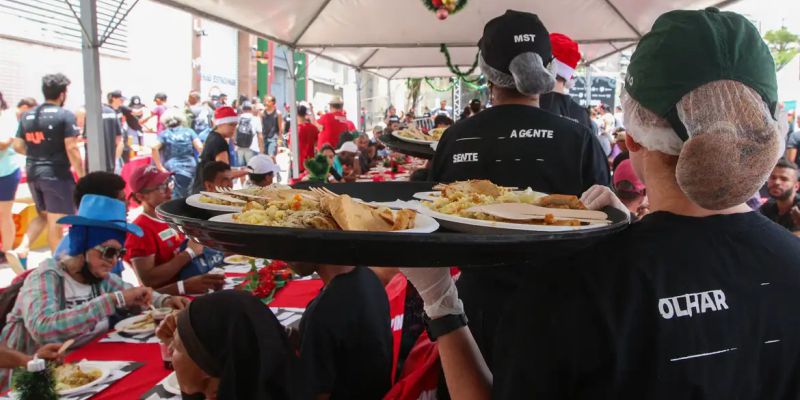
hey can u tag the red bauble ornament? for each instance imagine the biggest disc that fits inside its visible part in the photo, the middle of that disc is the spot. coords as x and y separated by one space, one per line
442 13
437 3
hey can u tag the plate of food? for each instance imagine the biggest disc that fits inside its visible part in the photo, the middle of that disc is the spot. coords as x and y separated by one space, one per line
171 384
237 259
143 323
331 212
479 206
215 202
74 378
413 135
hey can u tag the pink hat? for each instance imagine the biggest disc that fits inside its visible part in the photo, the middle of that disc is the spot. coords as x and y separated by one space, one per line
146 177
625 173
225 115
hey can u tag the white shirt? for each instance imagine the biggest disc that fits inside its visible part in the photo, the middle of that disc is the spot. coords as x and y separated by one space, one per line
75 294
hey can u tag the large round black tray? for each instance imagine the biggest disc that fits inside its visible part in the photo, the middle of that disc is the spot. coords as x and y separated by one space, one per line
441 248
413 149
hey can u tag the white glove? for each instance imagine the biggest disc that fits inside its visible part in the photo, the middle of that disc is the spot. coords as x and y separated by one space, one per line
437 289
599 196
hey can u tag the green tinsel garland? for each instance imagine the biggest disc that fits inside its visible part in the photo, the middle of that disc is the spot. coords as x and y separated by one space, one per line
453 68
467 82
429 5
34 385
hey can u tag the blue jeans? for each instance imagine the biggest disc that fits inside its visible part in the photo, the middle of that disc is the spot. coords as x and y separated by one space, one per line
183 184
271 146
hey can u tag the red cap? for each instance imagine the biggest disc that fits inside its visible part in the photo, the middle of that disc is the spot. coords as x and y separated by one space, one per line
146 177
225 115
625 172
565 51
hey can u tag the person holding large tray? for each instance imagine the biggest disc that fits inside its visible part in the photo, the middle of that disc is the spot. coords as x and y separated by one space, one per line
515 143
695 301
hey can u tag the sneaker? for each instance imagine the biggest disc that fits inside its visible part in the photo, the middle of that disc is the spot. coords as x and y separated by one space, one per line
15 262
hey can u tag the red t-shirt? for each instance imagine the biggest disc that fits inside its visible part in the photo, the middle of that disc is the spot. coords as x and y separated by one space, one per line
350 125
333 124
307 139
158 239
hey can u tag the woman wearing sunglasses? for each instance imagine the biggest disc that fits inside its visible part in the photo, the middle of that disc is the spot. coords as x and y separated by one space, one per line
72 297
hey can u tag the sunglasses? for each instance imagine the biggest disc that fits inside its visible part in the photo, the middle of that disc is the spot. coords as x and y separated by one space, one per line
110 253
160 188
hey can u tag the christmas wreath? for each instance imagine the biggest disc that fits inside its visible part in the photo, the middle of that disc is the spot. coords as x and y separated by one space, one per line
444 8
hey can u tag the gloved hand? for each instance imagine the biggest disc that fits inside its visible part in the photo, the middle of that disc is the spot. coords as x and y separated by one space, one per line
437 289
599 196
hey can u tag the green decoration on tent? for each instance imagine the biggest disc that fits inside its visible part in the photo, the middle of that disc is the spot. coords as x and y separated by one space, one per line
444 8
435 89
453 68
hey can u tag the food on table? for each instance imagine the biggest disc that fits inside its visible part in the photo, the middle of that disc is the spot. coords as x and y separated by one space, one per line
70 376
220 199
146 323
456 198
238 259
306 209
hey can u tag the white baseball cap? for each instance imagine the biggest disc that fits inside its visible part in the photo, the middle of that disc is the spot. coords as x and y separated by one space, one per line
349 147
262 164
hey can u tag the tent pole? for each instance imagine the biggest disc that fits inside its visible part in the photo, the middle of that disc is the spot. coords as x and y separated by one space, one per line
389 85
361 126
294 148
93 126
587 79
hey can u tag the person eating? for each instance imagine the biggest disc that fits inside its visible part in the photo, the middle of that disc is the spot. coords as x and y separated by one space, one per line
700 304
514 143
73 297
162 257
228 345
262 171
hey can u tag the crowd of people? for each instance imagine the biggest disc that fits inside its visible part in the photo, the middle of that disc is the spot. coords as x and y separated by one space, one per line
694 299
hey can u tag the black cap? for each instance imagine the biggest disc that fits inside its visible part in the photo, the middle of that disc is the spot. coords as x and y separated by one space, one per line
161 96
512 34
475 101
246 105
136 101
115 94
394 118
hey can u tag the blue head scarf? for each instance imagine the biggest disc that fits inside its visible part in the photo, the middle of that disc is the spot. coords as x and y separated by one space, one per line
83 238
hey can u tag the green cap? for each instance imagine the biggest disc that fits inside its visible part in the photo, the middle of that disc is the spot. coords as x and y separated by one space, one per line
687 49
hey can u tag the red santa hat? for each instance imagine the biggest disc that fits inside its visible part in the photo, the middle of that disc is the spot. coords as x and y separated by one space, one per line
567 56
225 115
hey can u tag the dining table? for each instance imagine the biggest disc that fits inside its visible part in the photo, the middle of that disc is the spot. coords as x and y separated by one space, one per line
296 294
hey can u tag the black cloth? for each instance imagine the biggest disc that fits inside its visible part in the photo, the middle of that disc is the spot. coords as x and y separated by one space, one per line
112 129
346 340
214 145
563 105
44 129
522 146
269 124
130 119
770 210
672 308
231 335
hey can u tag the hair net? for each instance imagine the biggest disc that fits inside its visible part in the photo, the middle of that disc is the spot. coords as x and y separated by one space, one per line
528 76
734 141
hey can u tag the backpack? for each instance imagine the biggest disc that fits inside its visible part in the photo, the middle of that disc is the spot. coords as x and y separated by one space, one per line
8 297
200 122
244 133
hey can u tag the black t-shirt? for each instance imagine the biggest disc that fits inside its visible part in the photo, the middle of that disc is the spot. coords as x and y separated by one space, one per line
214 145
770 210
269 124
672 308
522 146
346 340
563 105
112 130
44 129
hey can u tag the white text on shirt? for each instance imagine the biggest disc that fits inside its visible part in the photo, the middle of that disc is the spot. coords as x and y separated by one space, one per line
692 303
532 133
465 157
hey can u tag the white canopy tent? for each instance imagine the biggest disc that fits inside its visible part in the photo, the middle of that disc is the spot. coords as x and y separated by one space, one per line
397 39
400 39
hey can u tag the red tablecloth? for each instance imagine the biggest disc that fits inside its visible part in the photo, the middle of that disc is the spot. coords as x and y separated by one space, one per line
132 387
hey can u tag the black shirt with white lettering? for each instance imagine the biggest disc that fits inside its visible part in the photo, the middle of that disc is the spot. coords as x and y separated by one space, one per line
44 129
563 105
522 146
673 308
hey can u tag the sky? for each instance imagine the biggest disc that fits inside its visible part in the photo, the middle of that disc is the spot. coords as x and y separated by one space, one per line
772 14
